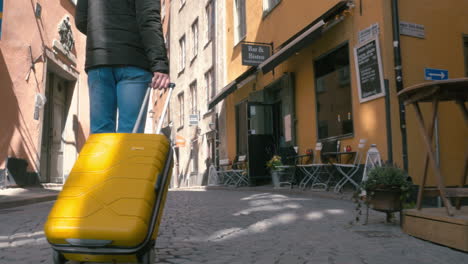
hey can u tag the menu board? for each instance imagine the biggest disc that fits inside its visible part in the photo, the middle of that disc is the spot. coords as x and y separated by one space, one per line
369 70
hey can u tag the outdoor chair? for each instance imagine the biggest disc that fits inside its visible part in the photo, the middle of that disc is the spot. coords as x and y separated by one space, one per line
328 146
287 172
225 172
314 171
348 171
240 171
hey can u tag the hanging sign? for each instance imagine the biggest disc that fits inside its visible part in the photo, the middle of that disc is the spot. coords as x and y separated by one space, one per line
254 54
369 70
193 120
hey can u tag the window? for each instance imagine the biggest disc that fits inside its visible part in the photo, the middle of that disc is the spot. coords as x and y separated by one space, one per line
465 42
195 39
239 20
193 98
180 97
182 53
268 5
210 89
209 20
333 94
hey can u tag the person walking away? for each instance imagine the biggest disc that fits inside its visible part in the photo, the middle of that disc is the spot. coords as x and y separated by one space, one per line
125 52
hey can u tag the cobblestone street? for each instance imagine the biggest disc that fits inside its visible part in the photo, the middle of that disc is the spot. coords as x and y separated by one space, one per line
219 226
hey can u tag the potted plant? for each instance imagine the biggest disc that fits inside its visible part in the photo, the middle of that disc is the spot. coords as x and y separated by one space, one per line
273 164
386 189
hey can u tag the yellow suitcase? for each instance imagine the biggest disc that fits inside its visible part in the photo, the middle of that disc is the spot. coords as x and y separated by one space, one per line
111 205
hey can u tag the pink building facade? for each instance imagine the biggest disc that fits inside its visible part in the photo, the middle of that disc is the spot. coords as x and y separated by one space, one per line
44 108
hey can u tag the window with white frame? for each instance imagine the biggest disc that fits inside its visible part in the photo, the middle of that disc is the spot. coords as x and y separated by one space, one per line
180 98
210 89
209 20
195 38
268 5
240 29
182 53
193 98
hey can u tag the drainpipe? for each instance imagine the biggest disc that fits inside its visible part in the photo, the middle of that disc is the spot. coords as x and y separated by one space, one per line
388 118
214 76
399 79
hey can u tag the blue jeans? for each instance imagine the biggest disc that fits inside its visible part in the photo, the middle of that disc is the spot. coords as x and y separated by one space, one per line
117 88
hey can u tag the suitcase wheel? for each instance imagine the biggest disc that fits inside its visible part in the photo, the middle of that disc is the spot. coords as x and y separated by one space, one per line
59 258
149 256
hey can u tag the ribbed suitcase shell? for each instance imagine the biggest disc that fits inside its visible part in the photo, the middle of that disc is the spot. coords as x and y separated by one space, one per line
109 194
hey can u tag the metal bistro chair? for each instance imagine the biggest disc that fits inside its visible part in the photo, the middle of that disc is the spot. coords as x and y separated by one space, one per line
313 171
225 173
287 171
349 170
239 171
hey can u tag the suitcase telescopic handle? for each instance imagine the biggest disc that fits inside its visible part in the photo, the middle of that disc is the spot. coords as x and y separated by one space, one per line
146 102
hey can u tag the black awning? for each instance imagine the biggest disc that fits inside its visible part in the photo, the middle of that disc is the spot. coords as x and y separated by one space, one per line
228 89
303 38
231 87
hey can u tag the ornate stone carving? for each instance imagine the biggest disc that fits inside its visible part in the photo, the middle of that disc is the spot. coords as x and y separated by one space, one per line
66 35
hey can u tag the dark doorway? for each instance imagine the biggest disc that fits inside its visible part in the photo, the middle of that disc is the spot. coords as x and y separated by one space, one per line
261 142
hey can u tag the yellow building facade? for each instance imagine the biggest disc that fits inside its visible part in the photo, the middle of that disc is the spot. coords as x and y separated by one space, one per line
309 91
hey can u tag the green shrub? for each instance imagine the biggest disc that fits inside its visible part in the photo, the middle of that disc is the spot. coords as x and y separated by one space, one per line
387 178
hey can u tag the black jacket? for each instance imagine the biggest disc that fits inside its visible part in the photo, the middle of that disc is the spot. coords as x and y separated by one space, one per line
123 32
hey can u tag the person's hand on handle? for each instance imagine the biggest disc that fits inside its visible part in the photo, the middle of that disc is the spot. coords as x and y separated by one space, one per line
160 80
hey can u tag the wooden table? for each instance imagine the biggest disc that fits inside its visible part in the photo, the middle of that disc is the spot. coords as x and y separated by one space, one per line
434 92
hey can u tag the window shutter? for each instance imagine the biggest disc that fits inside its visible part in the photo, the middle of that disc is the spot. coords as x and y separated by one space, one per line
287 84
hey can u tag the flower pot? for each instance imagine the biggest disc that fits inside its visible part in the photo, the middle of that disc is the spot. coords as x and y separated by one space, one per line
385 200
275 178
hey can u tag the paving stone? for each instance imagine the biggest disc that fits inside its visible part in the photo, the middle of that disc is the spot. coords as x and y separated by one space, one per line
278 229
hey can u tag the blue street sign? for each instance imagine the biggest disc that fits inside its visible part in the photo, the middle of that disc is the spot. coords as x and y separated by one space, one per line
435 74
